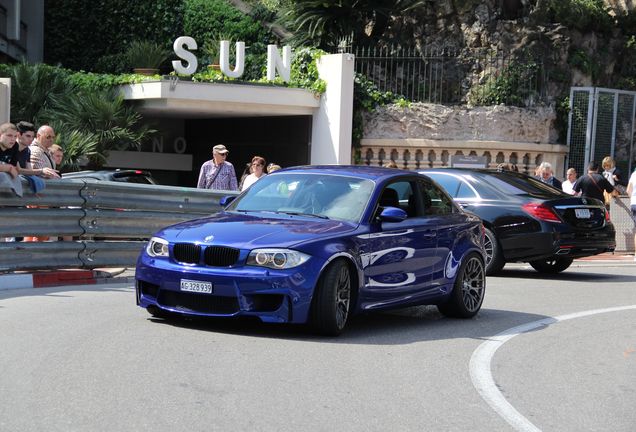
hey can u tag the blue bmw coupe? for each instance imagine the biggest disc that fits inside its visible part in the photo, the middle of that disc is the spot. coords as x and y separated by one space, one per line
316 244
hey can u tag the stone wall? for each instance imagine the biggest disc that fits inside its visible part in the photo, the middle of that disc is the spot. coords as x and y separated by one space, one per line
427 135
439 122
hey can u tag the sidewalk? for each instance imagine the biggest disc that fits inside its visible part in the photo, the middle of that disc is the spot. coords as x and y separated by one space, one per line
609 256
52 278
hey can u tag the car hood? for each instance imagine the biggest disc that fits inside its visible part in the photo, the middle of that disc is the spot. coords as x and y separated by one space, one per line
249 231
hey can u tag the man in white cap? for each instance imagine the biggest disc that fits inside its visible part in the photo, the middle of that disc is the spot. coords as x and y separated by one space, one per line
218 173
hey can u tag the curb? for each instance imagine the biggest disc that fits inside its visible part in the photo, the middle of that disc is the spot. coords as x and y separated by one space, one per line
46 279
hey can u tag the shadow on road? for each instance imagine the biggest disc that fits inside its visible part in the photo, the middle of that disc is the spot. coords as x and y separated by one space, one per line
401 326
578 276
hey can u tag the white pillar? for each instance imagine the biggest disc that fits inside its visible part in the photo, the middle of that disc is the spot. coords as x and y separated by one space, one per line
5 100
332 123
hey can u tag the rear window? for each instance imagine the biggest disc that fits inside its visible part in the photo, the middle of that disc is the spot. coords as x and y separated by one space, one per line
515 185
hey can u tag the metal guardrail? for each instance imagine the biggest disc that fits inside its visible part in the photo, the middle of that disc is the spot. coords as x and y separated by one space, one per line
108 221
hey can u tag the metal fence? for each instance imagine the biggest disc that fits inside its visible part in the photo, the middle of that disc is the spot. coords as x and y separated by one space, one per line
601 123
108 221
446 76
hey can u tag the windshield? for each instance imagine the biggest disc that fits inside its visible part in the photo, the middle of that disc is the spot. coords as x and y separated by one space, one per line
314 195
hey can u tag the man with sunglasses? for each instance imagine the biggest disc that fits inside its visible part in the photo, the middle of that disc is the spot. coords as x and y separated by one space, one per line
218 173
41 159
26 135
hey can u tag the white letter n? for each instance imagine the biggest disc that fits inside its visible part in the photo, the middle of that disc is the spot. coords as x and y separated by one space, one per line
274 62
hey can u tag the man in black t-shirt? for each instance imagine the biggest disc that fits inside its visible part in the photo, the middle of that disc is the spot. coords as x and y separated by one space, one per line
593 184
8 149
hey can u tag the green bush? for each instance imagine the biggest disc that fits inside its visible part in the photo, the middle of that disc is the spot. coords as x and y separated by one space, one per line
206 20
583 15
580 60
509 86
146 54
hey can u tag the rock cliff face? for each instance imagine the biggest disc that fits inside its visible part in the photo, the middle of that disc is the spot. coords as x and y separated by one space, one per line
572 57
438 122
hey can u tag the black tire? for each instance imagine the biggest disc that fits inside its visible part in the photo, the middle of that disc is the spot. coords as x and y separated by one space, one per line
551 265
468 291
332 300
494 255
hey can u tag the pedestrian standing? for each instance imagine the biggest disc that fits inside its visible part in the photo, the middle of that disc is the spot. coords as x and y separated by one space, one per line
631 192
593 184
546 175
257 172
613 175
568 184
218 173
8 150
26 135
40 156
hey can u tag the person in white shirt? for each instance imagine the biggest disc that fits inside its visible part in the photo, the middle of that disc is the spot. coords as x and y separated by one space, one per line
568 183
631 192
257 171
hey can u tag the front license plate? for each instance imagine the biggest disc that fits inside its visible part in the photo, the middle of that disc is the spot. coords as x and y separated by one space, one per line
582 213
196 286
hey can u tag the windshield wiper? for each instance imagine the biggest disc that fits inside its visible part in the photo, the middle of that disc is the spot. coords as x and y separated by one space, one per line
304 214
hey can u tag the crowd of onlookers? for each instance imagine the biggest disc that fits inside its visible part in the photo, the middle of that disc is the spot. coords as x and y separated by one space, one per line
600 182
29 153
23 150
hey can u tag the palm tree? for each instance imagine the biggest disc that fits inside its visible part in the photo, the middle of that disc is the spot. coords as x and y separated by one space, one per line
106 117
326 23
33 89
93 121
80 147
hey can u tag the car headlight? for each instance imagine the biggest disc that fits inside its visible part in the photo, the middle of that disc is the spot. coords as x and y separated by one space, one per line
157 247
276 258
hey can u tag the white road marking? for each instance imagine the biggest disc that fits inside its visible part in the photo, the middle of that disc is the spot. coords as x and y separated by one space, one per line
481 373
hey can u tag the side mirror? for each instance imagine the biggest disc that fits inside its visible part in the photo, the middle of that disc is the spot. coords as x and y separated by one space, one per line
226 200
392 214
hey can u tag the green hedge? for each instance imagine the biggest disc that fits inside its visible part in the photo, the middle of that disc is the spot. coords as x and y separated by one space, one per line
91 34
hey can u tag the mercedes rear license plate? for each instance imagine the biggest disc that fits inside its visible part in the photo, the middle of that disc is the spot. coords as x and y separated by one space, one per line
582 213
196 286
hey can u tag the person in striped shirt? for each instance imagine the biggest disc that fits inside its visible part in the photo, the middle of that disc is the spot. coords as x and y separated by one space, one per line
218 173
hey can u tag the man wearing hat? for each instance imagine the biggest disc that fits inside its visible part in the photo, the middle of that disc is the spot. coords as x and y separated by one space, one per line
218 173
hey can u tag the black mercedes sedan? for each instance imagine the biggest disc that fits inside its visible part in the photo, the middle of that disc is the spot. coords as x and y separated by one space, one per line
527 220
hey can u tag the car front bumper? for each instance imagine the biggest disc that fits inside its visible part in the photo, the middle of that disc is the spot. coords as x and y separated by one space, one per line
271 295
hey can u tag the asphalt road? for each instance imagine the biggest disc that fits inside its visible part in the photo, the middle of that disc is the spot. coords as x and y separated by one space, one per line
545 353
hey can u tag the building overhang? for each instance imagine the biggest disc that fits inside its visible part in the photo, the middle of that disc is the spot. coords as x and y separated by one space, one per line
187 99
